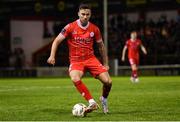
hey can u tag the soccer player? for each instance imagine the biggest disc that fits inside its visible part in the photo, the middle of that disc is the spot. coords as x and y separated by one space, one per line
133 45
81 34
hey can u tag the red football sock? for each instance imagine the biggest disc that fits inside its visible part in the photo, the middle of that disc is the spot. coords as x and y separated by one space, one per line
134 73
80 86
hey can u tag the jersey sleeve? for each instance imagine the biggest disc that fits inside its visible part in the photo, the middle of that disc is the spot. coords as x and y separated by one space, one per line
127 43
66 30
140 42
98 36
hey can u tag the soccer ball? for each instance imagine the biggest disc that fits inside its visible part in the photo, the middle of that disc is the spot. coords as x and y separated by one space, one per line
79 109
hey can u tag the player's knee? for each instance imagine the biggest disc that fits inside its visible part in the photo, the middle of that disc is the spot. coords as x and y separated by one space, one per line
107 81
75 78
110 82
134 67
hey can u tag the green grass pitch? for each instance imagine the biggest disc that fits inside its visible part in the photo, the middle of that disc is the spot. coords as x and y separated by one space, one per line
51 99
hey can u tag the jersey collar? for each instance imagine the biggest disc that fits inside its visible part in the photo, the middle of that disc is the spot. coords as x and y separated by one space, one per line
133 40
79 24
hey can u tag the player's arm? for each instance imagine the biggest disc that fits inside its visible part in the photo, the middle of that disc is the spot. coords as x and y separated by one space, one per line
143 49
103 53
56 42
124 53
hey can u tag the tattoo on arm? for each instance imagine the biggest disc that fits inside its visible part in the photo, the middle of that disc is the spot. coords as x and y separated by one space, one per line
103 53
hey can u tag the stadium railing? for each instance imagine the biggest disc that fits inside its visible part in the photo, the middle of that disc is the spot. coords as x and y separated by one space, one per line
157 70
115 70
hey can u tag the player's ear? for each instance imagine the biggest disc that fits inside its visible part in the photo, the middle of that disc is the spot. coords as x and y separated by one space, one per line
90 13
78 14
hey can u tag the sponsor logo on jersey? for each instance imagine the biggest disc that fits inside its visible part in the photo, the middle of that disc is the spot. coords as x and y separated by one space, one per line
82 40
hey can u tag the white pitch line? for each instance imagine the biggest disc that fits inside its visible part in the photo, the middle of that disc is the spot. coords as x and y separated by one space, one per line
33 88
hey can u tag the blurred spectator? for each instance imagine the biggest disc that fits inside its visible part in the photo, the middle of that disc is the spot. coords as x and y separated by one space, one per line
46 33
17 58
12 60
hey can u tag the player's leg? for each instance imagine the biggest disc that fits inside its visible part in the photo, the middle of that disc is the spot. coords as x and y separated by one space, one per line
83 90
134 74
100 72
76 72
107 84
136 69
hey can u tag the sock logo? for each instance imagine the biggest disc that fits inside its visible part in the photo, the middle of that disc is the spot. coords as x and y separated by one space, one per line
83 94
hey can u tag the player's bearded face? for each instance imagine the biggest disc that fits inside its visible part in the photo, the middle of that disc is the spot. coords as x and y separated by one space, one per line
84 16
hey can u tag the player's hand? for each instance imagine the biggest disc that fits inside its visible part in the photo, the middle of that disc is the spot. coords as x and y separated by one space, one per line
106 66
51 60
123 59
145 52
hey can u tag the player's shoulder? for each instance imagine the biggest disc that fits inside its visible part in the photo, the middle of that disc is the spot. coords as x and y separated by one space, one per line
139 40
93 25
128 41
71 24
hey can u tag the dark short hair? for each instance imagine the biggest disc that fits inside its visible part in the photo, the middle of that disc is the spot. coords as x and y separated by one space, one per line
84 5
133 31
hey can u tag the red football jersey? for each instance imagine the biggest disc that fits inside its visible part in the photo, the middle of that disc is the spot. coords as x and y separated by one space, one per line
133 48
80 40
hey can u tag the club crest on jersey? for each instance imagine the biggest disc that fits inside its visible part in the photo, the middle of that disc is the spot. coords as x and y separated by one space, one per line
92 34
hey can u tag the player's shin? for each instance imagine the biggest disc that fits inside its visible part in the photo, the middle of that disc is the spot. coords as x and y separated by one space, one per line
134 73
103 98
106 89
80 86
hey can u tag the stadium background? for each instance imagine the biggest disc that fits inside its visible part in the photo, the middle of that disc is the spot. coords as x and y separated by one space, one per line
27 28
